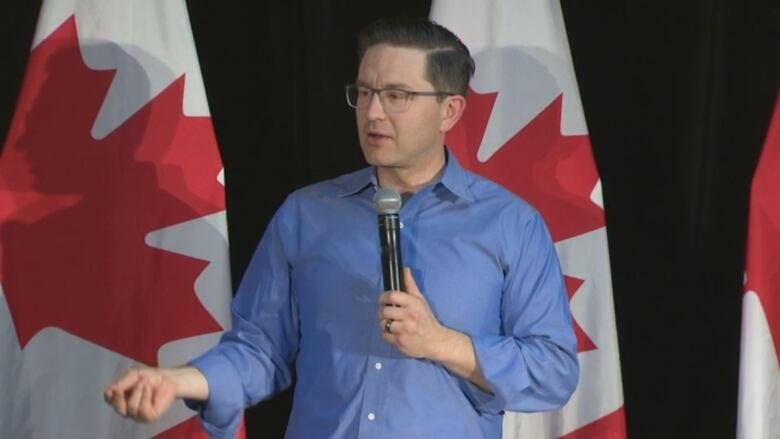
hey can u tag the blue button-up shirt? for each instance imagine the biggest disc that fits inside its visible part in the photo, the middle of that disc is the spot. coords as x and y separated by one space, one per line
481 256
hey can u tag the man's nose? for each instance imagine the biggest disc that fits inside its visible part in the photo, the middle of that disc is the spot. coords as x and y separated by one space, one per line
375 110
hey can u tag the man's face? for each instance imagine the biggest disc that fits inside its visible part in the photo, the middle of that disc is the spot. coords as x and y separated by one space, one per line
406 141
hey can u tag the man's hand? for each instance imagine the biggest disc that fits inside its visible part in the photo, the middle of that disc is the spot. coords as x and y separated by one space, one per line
145 394
407 322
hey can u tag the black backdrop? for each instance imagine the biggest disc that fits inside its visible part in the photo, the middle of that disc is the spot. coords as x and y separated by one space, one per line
677 96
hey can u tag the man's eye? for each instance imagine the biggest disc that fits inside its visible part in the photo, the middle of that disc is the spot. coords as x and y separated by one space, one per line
363 93
395 95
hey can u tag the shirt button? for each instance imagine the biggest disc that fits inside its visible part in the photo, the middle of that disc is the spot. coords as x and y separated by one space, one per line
401 224
378 366
371 417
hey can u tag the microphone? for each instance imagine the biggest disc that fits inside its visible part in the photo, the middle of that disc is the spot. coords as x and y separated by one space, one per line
387 203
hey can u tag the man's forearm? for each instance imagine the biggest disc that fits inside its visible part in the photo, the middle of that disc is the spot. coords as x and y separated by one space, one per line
456 353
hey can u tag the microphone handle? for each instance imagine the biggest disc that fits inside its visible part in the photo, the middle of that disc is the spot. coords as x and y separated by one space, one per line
390 242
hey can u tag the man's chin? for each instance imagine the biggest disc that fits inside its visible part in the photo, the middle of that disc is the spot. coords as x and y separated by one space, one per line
375 155
374 161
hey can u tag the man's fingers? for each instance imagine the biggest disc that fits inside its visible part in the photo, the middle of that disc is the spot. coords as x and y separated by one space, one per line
409 282
143 403
394 298
161 400
141 394
134 401
397 327
146 411
115 393
392 312
385 298
127 380
119 402
394 326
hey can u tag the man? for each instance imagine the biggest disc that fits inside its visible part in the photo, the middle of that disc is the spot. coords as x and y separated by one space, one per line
483 327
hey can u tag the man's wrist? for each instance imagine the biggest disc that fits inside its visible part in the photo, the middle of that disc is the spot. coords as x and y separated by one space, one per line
456 353
447 343
188 383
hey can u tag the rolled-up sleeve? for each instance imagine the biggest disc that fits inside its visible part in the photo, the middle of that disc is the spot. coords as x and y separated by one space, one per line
532 365
254 359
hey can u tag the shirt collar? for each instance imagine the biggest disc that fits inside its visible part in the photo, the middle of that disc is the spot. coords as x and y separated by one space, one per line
355 183
454 179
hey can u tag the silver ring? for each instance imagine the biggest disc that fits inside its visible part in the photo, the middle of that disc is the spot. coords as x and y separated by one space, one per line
387 326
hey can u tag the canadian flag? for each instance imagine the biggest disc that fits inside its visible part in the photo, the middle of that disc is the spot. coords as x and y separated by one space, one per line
113 240
524 128
759 374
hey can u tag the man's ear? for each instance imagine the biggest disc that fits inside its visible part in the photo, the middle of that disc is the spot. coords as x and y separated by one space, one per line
452 109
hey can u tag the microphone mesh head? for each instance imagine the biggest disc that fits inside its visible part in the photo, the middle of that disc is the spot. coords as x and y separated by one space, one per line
387 201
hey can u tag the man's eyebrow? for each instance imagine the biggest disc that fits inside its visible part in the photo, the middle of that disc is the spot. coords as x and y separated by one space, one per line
399 85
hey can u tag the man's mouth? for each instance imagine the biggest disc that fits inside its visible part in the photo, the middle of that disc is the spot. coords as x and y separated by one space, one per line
376 136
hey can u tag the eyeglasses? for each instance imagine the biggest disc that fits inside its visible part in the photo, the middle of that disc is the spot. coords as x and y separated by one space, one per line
393 100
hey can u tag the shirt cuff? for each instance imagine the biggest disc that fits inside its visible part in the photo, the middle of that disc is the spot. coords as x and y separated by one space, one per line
491 353
221 414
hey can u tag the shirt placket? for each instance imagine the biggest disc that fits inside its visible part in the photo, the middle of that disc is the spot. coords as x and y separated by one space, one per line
381 364
375 386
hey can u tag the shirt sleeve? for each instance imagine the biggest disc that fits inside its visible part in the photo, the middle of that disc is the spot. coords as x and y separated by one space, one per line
254 359
532 366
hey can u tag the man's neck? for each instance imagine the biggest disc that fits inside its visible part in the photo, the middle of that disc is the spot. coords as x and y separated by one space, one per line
409 181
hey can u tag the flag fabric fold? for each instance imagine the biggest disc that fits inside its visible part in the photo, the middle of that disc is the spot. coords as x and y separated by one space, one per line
524 128
758 415
113 239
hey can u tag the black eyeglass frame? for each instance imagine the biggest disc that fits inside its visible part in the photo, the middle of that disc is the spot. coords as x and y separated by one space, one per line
378 92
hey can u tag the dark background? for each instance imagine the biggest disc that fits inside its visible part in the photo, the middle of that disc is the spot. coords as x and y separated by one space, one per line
677 96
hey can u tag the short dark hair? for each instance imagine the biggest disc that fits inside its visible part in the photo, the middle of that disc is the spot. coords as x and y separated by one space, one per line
449 66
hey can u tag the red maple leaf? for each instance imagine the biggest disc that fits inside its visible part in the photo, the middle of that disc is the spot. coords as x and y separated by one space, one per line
553 172
584 343
609 426
74 211
191 429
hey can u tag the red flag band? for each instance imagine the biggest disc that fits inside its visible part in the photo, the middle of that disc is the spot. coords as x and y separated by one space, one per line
759 375
109 170
524 128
